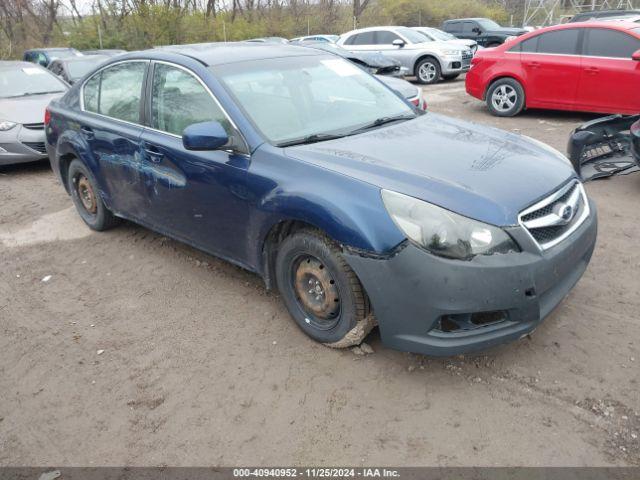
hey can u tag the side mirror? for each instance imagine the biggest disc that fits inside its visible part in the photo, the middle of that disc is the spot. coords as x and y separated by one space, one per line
398 43
636 56
204 136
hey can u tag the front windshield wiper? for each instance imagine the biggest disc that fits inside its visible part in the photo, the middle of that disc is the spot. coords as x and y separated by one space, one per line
382 121
316 137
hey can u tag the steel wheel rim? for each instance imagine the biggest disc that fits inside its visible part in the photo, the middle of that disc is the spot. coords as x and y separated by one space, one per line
316 292
86 194
427 72
504 98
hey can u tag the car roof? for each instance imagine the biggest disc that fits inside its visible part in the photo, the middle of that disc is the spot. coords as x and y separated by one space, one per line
620 25
50 49
211 54
369 29
84 58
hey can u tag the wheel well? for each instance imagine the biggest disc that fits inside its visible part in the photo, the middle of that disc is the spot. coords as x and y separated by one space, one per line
63 164
415 65
490 84
275 236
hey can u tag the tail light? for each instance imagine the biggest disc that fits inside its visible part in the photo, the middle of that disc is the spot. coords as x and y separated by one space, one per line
47 116
420 103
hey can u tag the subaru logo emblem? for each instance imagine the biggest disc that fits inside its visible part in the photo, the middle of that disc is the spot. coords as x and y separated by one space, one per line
565 212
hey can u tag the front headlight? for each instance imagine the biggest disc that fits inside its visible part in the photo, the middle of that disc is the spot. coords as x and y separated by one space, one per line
443 232
452 53
6 125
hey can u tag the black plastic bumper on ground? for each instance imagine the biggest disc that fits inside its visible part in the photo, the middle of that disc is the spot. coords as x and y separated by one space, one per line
412 291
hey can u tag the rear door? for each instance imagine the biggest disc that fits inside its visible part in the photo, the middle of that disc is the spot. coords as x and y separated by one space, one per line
610 79
551 68
111 126
198 196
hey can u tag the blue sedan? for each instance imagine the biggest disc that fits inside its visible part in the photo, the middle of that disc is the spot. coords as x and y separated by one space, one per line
360 209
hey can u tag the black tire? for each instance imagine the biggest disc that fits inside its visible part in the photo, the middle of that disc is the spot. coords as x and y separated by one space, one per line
428 71
450 77
82 184
505 97
311 251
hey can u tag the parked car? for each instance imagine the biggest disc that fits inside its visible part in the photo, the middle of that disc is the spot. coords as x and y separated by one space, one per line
587 66
275 40
436 35
373 62
486 32
317 38
606 146
109 52
44 56
428 61
356 206
74 68
25 90
601 15
386 73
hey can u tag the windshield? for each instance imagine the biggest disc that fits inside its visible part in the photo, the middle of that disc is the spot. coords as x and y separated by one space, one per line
19 82
488 24
411 35
296 97
78 68
440 35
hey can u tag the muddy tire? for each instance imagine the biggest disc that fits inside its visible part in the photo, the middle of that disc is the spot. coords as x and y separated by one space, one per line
86 198
321 291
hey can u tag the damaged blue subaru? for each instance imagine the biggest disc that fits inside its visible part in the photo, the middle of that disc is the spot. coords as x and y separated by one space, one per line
357 207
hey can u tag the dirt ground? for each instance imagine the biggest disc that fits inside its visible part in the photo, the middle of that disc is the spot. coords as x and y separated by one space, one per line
129 348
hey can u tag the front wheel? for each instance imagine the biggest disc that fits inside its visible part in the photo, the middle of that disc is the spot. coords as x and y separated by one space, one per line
505 97
321 291
428 71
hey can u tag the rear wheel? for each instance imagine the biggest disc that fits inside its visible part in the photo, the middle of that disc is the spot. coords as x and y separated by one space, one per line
505 97
321 291
86 198
428 71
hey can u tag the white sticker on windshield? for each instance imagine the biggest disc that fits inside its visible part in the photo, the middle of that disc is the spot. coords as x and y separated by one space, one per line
341 67
33 71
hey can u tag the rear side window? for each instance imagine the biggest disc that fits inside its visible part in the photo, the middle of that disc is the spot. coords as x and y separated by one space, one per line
116 91
178 100
452 27
601 42
468 27
559 42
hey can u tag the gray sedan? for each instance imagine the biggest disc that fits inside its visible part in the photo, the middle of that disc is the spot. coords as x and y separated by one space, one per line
25 91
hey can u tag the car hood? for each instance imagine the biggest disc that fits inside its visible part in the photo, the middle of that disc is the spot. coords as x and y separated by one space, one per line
477 171
507 31
26 109
404 88
375 60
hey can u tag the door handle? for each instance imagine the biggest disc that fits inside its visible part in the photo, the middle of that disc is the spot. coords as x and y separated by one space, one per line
534 64
153 153
592 70
88 132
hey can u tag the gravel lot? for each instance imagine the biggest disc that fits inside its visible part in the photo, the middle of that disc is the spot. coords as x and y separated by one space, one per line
141 351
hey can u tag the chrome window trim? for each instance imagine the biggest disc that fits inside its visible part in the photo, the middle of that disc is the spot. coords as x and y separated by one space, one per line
100 70
550 199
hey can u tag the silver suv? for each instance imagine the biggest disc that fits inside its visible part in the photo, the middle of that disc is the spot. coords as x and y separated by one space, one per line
428 61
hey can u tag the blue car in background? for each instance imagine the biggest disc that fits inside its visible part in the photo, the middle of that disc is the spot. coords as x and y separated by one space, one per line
359 208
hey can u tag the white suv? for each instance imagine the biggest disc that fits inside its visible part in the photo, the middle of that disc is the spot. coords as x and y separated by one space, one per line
427 60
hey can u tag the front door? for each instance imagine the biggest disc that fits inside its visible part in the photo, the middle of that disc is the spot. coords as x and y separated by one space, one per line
197 196
609 79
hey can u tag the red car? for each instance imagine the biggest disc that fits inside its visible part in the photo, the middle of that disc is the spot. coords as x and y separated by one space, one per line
590 66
